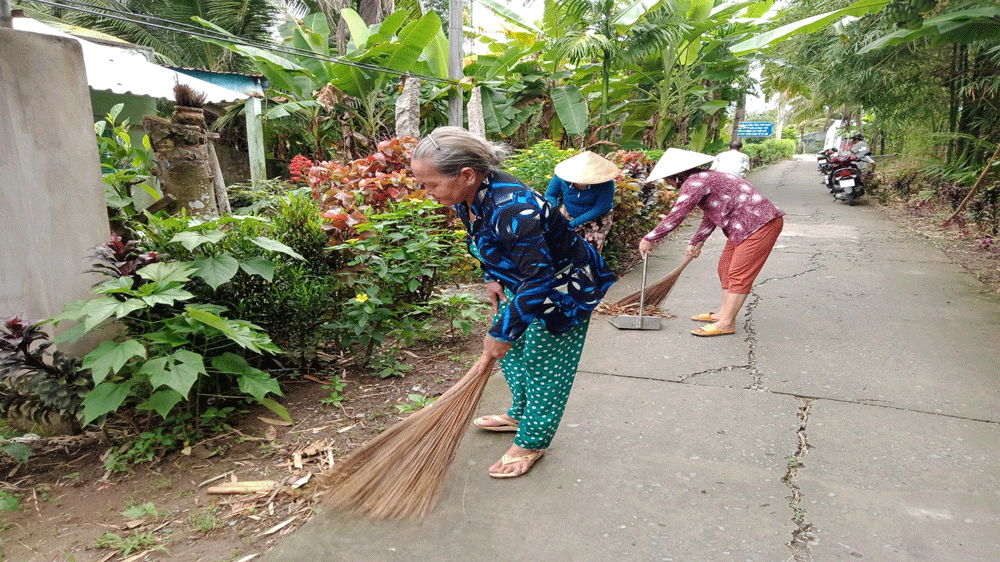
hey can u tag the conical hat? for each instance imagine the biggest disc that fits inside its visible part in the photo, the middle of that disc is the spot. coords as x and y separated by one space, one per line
587 168
677 160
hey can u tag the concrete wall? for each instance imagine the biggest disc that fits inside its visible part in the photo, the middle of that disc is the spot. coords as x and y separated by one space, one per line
52 210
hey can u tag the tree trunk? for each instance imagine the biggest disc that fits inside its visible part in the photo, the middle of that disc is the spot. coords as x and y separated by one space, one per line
741 111
183 163
374 11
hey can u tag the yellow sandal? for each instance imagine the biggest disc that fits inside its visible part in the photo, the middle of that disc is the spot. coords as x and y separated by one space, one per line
507 459
704 317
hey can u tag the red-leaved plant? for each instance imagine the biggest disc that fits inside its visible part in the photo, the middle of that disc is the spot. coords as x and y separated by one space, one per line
349 193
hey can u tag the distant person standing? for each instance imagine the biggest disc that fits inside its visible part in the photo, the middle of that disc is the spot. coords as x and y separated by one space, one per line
732 161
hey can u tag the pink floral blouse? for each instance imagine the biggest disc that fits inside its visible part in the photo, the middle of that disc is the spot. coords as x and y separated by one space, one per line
727 201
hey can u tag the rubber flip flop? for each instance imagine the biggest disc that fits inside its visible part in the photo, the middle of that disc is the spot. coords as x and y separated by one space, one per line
507 459
704 317
507 425
710 331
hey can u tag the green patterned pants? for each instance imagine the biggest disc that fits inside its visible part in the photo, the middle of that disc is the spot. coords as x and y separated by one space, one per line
540 368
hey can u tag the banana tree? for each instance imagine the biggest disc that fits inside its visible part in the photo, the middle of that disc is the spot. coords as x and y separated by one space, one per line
343 97
696 67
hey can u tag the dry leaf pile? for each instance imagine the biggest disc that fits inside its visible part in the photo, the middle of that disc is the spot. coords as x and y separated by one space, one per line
608 309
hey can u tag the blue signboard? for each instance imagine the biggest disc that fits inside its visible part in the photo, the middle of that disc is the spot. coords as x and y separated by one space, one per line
755 129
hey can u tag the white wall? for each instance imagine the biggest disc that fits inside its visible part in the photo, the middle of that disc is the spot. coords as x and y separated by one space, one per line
52 209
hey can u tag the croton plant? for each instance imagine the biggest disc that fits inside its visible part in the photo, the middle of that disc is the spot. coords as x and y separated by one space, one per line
350 192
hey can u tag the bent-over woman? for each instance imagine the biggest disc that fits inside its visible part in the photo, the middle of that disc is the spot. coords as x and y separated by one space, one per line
542 278
583 189
750 222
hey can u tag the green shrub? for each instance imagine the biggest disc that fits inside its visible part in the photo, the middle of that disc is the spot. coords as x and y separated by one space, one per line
176 347
124 168
769 151
397 262
535 165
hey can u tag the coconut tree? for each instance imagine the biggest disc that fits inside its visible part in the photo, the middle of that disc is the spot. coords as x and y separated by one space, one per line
165 26
609 31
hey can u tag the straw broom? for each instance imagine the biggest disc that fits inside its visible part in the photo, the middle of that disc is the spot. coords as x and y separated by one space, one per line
658 291
401 472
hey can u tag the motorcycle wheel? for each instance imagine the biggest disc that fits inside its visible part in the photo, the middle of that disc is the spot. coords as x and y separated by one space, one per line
850 201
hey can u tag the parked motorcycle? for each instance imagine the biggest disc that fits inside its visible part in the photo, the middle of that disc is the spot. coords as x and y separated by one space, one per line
823 160
844 179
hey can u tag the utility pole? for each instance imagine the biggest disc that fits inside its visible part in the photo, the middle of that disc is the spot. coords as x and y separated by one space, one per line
455 38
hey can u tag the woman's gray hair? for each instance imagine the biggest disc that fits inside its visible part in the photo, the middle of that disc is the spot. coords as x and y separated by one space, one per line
449 149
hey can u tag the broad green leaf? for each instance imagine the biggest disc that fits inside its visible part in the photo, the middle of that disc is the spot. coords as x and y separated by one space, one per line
21 452
154 367
111 356
167 272
275 246
712 106
75 310
179 371
357 27
634 11
291 108
960 26
209 319
114 112
167 297
216 270
105 397
278 409
161 402
436 55
807 25
231 363
99 127
257 383
166 336
413 40
391 24
259 266
72 334
191 239
571 108
100 309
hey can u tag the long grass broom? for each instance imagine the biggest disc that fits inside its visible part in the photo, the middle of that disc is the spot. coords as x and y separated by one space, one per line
400 473
658 291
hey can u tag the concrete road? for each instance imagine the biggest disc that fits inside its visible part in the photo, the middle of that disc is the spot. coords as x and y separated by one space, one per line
853 416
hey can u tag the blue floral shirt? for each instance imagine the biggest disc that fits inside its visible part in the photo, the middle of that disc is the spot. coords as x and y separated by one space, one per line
530 249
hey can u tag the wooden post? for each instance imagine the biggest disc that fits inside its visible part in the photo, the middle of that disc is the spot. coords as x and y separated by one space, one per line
5 14
255 140
455 117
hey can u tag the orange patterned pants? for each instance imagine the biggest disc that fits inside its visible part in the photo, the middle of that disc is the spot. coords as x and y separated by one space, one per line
740 263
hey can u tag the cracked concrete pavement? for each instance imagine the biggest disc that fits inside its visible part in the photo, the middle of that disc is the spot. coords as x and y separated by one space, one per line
852 416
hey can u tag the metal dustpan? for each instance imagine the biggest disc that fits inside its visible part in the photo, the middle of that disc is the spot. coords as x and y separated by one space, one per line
637 322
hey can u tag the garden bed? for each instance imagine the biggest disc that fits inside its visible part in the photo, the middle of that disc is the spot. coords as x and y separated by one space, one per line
71 507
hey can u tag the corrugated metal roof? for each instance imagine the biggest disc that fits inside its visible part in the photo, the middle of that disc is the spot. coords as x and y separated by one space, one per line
119 70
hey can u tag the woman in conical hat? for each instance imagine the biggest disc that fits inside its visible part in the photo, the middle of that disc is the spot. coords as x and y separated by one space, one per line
583 189
750 222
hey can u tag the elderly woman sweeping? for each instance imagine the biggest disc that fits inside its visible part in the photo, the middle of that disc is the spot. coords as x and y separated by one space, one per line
543 279
750 222
583 189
